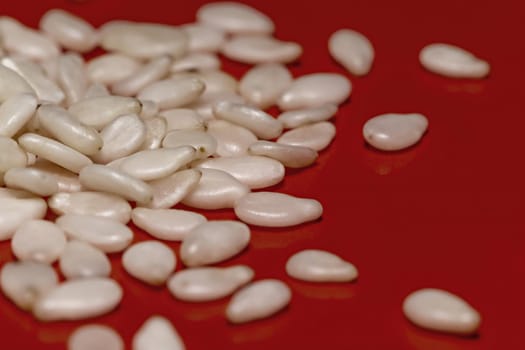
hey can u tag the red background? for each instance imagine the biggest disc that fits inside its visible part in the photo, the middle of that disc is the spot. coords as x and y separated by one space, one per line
446 213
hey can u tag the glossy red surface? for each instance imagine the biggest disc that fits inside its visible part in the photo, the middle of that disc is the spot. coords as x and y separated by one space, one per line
447 213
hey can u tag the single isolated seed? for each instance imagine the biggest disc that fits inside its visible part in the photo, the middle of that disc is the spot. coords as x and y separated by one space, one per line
149 261
315 265
157 333
352 50
95 336
442 311
393 132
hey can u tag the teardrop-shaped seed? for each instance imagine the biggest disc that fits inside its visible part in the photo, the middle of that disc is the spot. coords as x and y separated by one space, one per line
453 61
214 241
15 211
166 224
105 179
216 190
442 311
32 180
143 40
11 83
274 209
259 122
172 189
300 117
316 136
111 67
352 50
54 151
157 333
80 260
232 140
258 300
45 88
156 164
198 61
123 136
315 265
151 262
255 49
173 93
148 73
70 31
38 240
253 171
91 203
263 84
234 17
95 336
100 111
155 132
72 77
67 181
67 129
23 282
392 132
203 38
11 155
203 142
314 90
15 112
202 284
182 119
290 156
27 42
105 234
78 299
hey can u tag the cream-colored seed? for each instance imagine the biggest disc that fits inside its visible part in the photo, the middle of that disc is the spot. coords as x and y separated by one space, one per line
232 140
274 209
32 180
453 61
155 133
234 17
151 262
143 40
315 265
439 310
78 299
173 93
45 88
15 112
203 38
352 50
296 118
215 81
67 129
67 181
258 300
170 190
105 179
111 67
254 171
198 61
214 241
255 49
392 131
105 234
157 333
23 282
149 110
11 155
290 156
81 260
201 284
204 143
91 203
204 106
262 124
72 77
38 240
314 90
70 31
11 83
95 90
16 211
153 70
166 224
100 111
95 336
54 151
216 190
316 136
263 84
182 119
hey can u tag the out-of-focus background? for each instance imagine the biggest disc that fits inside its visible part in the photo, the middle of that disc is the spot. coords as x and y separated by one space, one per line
447 213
